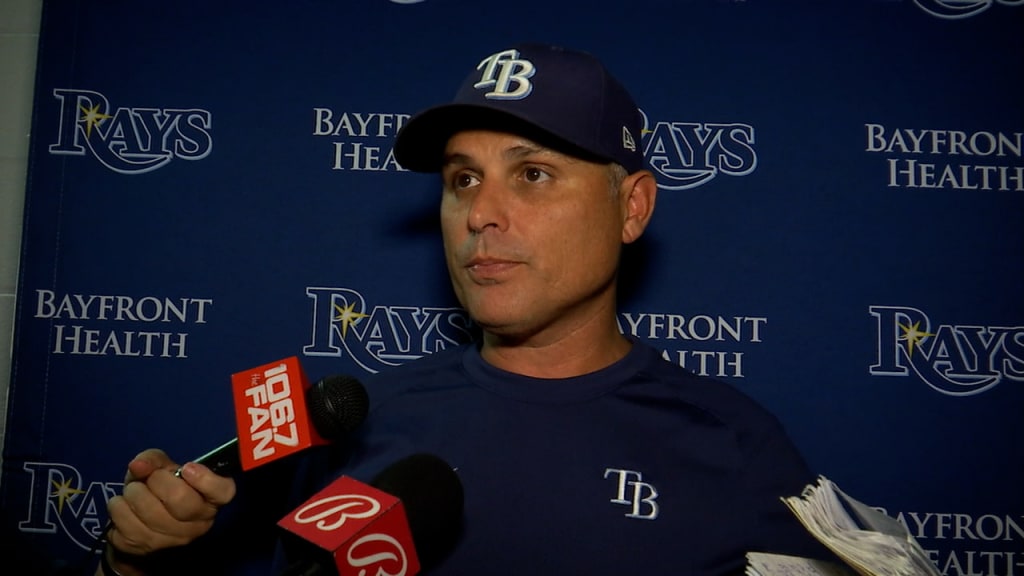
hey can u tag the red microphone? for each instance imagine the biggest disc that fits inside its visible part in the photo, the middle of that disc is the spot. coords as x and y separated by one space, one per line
408 519
278 413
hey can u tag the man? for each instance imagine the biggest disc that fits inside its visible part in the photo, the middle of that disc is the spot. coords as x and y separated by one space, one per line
581 450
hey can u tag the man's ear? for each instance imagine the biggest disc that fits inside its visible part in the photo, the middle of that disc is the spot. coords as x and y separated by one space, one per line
639 191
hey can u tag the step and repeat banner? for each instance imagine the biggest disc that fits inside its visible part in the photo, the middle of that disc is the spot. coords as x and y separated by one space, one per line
839 230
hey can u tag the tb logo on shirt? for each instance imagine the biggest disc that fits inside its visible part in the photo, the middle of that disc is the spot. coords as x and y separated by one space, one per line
632 491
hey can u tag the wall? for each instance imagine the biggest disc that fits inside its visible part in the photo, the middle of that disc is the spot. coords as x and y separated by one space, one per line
19 35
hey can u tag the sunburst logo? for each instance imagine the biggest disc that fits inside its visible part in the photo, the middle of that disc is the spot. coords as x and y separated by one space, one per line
913 336
92 117
64 493
380 336
129 140
346 317
957 360
61 502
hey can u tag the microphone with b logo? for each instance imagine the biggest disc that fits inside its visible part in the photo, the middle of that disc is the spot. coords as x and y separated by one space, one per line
408 519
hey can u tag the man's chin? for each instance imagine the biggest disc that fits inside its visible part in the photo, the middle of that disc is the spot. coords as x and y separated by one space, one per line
503 327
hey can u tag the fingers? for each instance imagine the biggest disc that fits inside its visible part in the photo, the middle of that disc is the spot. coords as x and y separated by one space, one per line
159 510
146 462
141 525
215 489
182 501
144 529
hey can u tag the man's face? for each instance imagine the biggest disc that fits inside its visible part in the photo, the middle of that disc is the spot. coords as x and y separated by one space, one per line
532 236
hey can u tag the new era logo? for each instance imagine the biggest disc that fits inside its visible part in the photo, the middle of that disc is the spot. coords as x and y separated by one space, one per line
627 140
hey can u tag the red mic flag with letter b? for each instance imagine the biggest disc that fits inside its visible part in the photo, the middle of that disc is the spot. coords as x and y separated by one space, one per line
357 526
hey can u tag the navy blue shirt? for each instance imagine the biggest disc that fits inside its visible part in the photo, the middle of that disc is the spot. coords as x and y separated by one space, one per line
639 468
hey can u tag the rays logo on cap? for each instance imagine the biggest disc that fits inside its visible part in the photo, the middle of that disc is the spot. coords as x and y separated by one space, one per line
507 74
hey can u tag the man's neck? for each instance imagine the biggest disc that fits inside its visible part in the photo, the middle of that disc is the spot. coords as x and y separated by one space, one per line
574 355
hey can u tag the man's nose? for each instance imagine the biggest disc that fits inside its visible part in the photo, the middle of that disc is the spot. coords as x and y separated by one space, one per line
488 207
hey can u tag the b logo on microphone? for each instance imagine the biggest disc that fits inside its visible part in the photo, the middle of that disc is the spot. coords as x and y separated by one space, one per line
364 530
330 513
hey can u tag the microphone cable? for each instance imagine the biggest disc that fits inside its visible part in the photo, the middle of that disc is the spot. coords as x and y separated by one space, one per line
86 566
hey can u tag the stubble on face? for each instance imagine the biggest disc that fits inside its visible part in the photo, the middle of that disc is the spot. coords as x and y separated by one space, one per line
532 236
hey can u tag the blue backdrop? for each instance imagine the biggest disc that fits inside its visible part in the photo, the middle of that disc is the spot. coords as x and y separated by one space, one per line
838 231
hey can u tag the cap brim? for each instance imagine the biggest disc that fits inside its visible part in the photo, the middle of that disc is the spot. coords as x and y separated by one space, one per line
421 142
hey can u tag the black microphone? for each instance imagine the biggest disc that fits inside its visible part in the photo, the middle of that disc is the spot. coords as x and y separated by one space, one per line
334 406
434 499
408 519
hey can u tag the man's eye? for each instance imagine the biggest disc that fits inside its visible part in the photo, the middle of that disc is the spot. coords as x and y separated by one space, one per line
464 181
534 174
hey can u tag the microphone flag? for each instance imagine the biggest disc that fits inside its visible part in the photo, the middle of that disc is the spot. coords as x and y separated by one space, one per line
271 412
353 527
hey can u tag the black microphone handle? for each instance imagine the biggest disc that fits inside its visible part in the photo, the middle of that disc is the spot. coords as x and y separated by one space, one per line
224 460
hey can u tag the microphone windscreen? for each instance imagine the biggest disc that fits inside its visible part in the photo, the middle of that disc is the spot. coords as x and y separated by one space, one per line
433 498
337 405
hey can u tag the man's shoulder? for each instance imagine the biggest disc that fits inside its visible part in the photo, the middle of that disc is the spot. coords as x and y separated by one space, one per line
718 398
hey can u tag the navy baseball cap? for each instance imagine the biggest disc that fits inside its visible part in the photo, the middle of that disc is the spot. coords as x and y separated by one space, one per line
560 98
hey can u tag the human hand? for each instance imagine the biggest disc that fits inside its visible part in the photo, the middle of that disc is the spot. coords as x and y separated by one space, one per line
159 510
